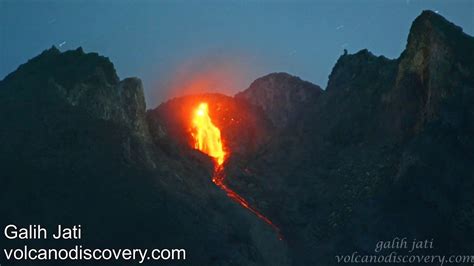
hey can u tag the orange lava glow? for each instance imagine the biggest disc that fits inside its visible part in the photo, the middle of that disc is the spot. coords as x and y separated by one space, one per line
206 135
218 179
207 74
207 138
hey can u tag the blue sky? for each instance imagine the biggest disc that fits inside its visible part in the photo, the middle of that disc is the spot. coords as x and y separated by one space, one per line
172 44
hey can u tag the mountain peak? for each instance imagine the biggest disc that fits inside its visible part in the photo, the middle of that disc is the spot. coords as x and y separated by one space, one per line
360 70
430 26
433 41
67 68
434 18
280 95
436 64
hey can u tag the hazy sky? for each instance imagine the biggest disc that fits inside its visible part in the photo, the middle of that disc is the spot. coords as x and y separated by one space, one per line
214 45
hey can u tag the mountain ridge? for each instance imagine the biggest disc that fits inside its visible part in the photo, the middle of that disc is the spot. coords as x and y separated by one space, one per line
281 96
69 120
386 150
381 143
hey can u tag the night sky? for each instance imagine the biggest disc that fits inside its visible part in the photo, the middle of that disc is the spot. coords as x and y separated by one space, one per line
214 46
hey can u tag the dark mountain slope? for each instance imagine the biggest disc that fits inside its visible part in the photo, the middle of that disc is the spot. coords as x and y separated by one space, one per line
281 96
76 149
244 127
385 151
436 64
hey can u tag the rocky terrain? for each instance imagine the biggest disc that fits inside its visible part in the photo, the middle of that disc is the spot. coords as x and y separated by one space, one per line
77 149
244 127
385 151
281 96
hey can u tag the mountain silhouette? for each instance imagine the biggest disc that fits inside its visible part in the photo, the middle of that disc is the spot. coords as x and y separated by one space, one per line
384 151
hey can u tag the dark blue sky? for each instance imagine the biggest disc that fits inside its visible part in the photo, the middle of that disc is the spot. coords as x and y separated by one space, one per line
214 45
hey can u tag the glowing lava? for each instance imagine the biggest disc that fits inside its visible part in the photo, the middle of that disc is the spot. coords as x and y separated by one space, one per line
207 138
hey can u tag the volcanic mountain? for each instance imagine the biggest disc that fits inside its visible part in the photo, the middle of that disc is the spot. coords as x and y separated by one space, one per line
78 148
385 151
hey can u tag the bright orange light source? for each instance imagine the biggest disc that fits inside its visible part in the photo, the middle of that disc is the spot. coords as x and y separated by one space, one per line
207 137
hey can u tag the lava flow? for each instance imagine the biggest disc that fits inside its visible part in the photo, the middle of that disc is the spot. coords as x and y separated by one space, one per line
207 138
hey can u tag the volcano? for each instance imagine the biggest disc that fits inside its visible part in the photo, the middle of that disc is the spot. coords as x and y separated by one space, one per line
222 127
386 150
207 138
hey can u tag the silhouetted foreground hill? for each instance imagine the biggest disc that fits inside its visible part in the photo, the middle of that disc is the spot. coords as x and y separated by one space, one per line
386 151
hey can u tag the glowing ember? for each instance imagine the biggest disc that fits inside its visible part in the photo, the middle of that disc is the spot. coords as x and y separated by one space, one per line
207 138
